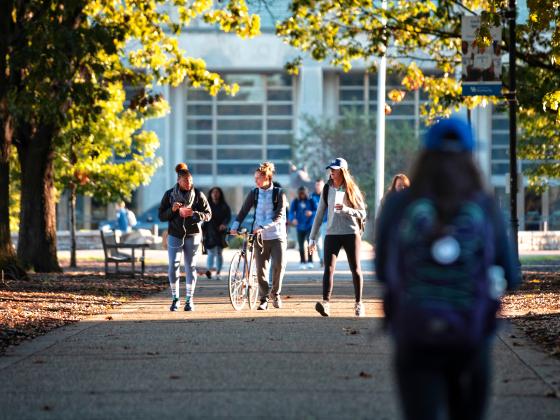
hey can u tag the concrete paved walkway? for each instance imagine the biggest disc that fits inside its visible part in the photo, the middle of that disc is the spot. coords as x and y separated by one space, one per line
144 362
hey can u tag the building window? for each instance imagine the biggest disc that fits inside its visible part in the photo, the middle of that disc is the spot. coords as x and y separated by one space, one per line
358 94
229 135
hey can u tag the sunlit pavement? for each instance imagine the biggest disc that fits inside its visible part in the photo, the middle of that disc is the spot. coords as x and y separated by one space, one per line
142 361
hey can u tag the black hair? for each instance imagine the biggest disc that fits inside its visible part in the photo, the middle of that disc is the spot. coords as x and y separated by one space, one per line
447 178
222 198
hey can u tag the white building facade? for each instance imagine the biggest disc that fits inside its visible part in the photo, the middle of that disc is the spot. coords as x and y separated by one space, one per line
223 138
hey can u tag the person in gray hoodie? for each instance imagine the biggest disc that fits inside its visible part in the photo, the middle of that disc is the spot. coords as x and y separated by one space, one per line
344 203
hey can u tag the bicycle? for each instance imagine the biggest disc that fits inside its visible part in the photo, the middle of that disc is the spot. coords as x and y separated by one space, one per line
242 280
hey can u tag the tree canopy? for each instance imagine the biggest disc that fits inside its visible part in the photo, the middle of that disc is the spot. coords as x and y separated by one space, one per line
422 40
64 58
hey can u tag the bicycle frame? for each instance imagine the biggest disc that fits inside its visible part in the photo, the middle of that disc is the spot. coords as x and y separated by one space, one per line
249 285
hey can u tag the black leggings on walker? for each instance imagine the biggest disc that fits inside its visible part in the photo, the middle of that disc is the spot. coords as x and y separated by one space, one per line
351 244
302 237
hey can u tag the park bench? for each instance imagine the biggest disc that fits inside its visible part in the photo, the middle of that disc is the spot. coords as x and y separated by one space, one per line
112 251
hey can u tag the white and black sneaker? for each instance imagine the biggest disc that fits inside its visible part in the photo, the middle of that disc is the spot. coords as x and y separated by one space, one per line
323 308
264 305
174 305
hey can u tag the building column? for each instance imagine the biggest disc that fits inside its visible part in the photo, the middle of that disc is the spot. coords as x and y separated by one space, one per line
310 95
164 177
87 211
481 121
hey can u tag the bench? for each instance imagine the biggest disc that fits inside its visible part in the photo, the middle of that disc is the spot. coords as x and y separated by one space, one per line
111 249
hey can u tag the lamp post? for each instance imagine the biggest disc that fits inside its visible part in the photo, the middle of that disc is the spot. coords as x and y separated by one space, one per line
511 15
380 129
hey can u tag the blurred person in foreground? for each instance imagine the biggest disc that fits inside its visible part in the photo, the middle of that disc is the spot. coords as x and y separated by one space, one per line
445 259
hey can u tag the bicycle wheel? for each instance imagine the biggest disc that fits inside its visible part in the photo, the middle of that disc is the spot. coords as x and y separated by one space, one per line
236 284
253 292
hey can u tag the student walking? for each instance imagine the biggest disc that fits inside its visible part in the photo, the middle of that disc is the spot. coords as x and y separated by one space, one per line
214 231
344 203
301 216
185 208
399 183
316 196
269 224
123 219
444 257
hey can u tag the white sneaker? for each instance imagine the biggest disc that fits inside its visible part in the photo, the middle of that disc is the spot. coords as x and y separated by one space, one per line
303 266
360 309
310 265
277 302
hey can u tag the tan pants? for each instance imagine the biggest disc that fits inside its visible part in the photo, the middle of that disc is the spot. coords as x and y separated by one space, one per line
273 251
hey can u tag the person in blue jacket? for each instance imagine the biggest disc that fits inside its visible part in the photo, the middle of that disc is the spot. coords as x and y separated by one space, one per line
302 213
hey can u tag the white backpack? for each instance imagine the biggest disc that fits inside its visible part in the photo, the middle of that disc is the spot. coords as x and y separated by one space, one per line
131 217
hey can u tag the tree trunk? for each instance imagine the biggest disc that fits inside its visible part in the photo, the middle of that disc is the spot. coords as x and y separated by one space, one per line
72 200
8 261
37 232
9 265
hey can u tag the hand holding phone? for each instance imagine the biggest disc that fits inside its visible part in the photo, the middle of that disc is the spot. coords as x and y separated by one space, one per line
185 211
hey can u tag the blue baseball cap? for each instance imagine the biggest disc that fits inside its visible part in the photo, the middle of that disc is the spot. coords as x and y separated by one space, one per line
449 135
338 163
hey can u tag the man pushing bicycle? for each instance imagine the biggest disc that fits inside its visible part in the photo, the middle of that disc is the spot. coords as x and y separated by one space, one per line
270 204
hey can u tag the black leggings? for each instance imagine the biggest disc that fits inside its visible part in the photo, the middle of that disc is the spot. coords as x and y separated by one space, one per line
351 244
452 385
302 236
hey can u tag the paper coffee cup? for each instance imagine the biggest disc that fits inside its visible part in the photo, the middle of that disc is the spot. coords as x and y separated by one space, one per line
339 199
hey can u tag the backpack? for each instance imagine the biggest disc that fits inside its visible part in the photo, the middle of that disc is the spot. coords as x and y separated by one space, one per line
440 296
275 194
361 222
131 218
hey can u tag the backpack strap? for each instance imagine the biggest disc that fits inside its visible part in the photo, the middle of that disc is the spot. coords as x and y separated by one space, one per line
275 194
196 197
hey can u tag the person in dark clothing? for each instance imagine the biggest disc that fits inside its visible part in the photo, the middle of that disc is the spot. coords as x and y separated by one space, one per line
316 196
302 212
444 257
214 231
185 208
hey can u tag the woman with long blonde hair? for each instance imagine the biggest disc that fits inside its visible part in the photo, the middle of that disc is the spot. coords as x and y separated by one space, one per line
346 211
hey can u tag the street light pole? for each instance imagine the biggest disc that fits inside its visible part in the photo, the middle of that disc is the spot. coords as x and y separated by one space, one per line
512 99
380 129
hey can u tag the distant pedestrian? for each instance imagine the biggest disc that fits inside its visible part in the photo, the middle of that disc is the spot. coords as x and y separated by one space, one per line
122 218
302 212
316 196
444 257
269 225
399 183
215 230
344 203
185 208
